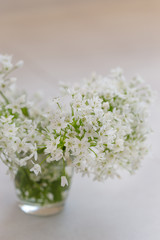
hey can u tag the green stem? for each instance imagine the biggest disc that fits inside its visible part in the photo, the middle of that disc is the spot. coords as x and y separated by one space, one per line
14 68
93 151
64 173
4 97
72 111
59 106
45 159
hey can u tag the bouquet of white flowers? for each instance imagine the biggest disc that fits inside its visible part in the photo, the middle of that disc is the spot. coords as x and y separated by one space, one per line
99 127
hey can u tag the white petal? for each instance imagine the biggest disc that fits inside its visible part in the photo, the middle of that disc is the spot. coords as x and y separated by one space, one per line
64 181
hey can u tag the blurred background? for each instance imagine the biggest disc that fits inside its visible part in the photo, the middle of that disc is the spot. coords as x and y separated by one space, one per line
66 40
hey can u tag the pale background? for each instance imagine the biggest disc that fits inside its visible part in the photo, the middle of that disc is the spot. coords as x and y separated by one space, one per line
67 40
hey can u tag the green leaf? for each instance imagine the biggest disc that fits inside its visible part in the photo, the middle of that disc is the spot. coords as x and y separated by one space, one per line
25 111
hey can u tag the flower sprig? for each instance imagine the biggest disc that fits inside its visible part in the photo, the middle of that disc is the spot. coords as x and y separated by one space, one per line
101 126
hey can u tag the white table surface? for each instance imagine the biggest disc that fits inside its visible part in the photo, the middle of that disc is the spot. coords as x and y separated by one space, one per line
67 40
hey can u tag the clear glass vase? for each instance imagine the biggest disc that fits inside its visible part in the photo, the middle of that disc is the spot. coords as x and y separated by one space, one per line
43 195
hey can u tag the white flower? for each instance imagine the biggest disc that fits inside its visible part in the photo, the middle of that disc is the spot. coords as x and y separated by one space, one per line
80 146
23 161
51 145
9 130
64 181
56 155
116 72
5 60
33 148
19 64
58 123
17 104
36 169
6 119
22 145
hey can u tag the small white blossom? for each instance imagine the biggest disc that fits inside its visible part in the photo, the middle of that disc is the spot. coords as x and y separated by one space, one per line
51 145
64 181
36 169
6 61
19 64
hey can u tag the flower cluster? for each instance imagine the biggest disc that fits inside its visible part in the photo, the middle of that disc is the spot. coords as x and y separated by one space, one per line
109 124
18 126
24 127
101 126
